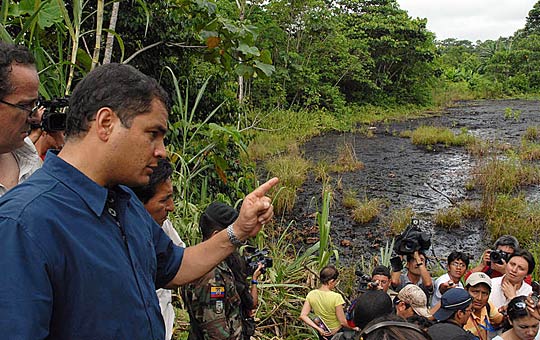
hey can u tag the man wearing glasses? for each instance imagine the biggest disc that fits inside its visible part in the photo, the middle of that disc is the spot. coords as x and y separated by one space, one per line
457 263
19 84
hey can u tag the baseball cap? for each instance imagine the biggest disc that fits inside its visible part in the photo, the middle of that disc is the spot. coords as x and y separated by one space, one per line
415 296
452 300
476 278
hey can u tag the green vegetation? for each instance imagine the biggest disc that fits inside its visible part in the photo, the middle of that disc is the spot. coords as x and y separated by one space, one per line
448 218
510 113
367 210
399 219
432 135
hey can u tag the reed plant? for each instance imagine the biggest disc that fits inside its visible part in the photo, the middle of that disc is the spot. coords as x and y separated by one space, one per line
292 172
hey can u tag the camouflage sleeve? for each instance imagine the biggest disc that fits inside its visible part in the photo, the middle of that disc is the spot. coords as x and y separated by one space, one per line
205 300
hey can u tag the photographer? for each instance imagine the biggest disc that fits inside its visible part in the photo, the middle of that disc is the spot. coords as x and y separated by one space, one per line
221 303
18 99
494 260
416 273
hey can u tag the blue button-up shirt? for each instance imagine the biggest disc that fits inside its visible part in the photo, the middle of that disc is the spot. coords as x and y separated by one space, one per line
70 270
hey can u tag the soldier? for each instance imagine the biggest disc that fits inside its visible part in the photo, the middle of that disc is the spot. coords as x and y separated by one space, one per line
220 304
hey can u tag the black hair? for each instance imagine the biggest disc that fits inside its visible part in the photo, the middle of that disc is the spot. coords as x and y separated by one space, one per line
527 256
370 305
513 311
381 270
216 217
160 174
458 255
10 54
328 273
122 88
392 327
506 240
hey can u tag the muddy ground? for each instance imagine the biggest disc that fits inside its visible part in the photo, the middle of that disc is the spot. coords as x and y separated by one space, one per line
404 174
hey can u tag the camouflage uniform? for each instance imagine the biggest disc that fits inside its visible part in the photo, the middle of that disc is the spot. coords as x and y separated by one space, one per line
213 305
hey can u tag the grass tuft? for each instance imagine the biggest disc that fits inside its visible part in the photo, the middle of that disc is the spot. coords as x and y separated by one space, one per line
399 220
367 210
346 160
448 218
431 135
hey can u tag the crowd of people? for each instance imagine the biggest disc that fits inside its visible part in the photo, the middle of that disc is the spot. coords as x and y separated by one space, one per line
492 300
88 252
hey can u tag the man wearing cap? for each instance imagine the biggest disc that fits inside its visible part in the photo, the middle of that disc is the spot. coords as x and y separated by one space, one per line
456 308
411 300
485 317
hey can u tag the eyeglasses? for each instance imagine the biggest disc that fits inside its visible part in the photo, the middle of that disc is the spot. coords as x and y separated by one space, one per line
31 111
458 264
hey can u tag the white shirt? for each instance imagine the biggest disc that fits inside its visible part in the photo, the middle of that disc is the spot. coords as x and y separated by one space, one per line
436 293
497 295
28 161
165 295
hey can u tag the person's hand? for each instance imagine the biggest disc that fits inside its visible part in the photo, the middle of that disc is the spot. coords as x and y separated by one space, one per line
508 289
446 285
256 210
485 257
323 332
501 268
532 306
258 271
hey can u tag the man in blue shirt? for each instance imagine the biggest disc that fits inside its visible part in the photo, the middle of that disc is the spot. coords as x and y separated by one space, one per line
82 247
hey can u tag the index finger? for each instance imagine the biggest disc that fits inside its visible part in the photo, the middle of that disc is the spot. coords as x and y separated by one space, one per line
265 187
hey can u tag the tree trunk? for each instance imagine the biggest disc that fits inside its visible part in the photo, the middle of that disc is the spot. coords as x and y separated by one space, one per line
110 37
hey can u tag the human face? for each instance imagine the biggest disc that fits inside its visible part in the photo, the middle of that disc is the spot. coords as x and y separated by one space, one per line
413 267
463 315
525 328
384 281
516 269
480 294
136 149
162 202
456 269
15 121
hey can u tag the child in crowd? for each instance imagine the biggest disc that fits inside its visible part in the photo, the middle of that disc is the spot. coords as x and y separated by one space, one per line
327 305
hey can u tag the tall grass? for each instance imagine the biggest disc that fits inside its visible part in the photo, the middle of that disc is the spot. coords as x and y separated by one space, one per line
431 135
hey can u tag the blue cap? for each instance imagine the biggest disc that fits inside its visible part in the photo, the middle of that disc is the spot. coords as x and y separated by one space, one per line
453 300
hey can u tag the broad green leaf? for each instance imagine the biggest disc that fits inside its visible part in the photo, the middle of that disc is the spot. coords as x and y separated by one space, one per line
265 68
244 70
248 50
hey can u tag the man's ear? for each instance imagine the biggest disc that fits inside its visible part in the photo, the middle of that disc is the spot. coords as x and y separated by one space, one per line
104 122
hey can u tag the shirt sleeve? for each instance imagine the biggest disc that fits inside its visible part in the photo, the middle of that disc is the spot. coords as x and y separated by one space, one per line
495 317
26 295
339 300
168 255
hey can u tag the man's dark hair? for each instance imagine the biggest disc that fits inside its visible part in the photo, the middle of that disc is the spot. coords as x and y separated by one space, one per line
328 273
216 217
381 270
161 173
370 305
392 327
506 240
122 88
527 256
10 54
458 255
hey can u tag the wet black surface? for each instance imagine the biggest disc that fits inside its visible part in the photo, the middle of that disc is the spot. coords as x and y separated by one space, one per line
402 173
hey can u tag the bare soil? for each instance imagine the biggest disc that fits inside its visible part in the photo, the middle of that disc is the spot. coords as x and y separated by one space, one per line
408 176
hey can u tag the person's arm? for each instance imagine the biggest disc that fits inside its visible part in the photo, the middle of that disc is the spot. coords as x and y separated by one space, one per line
304 316
340 314
427 282
197 260
485 260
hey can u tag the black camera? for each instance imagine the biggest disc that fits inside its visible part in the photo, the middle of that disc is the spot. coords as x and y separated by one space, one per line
498 256
53 119
257 256
412 239
365 282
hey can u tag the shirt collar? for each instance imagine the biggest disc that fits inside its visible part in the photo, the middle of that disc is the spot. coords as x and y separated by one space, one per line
93 194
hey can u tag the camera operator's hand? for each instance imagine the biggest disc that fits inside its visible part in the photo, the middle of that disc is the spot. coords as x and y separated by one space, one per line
501 268
396 263
443 287
258 271
533 306
485 257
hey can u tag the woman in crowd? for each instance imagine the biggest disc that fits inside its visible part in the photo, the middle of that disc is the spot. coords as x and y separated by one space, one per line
327 306
524 325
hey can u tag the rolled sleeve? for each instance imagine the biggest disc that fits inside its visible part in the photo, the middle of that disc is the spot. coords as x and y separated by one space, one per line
169 257
26 293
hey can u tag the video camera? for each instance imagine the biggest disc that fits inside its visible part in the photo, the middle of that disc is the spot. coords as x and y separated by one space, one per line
53 118
498 256
257 256
412 239
365 282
